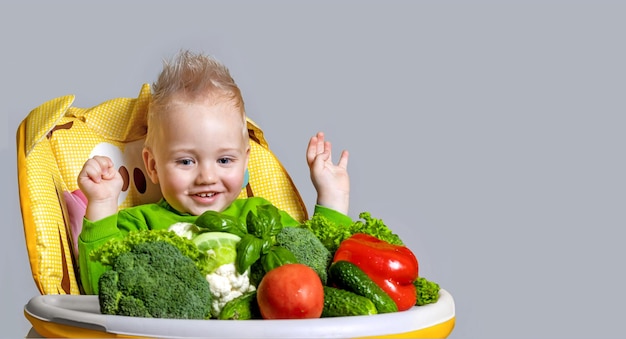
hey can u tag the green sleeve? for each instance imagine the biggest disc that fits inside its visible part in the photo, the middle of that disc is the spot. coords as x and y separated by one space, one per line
92 236
333 216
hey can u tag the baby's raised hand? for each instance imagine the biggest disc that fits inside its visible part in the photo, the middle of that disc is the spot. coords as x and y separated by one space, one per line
101 184
331 181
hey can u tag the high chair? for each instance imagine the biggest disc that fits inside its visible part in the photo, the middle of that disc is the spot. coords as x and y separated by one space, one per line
55 140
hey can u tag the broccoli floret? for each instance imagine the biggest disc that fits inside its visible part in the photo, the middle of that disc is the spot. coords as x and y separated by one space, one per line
155 280
307 249
427 291
106 253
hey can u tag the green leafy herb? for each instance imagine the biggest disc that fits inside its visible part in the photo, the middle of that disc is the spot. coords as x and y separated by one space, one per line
277 256
212 221
427 291
258 236
248 251
265 223
331 234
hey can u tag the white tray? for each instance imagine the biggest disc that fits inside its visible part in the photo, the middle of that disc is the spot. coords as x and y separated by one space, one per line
66 315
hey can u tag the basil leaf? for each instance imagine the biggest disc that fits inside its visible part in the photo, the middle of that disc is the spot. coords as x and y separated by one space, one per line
212 221
270 218
265 223
266 245
277 256
254 225
248 252
262 228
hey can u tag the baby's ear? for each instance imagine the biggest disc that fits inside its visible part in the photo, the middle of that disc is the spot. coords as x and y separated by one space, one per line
150 164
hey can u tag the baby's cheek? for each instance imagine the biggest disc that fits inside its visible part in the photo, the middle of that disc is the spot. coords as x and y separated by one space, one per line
173 184
234 181
177 181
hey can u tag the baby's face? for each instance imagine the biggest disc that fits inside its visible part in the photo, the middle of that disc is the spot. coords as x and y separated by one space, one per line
199 156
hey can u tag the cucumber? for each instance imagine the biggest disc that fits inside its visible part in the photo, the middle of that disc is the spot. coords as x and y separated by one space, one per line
343 303
351 277
243 307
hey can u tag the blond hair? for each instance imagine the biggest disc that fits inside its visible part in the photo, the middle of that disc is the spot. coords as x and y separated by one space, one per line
192 76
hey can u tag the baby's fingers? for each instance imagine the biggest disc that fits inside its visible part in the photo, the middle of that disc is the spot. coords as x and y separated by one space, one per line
321 143
315 147
98 168
343 160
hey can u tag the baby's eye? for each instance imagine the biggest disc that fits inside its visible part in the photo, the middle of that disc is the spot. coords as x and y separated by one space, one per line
224 161
185 162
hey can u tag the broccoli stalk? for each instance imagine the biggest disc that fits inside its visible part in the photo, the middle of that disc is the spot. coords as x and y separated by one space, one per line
427 291
154 280
307 249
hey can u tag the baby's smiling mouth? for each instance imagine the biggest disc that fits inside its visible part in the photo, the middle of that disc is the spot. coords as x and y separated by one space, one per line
205 195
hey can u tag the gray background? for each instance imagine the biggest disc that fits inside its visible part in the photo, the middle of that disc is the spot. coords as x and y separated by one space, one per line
490 135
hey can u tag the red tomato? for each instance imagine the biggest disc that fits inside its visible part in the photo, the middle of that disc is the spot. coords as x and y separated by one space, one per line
291 291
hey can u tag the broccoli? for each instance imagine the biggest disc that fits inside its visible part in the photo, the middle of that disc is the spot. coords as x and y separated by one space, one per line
331 234
307 249
427 291
106 253
155 280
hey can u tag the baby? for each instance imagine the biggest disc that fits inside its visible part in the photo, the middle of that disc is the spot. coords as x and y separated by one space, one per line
196 150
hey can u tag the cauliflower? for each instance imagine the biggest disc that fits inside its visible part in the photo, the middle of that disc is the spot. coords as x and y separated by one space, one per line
184 229
225 285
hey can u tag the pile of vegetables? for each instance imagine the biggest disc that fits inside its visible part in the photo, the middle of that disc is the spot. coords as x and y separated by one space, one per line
221 268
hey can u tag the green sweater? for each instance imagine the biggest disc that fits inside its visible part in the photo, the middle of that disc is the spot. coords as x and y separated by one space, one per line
158 216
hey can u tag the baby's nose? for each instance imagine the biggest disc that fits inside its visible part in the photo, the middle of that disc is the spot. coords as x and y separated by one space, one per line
206 175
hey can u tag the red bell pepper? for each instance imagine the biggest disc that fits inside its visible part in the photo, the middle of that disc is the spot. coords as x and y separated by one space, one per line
392 267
